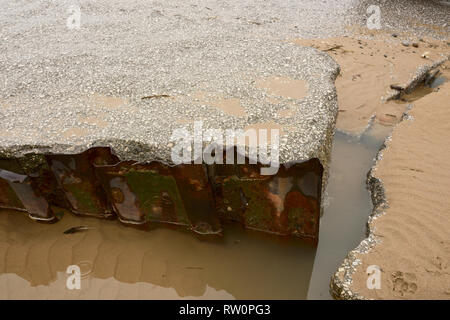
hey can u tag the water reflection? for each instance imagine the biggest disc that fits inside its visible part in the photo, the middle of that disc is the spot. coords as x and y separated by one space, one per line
343 224
125 262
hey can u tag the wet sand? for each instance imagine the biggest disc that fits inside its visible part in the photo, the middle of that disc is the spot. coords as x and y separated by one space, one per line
370 62
413 249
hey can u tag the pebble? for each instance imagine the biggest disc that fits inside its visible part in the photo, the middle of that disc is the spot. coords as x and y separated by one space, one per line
405 43
415 45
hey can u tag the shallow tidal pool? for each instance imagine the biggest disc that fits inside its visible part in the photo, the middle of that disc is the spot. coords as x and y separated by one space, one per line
120 262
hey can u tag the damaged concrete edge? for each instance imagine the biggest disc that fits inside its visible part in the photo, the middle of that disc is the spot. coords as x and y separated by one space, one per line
342 280
32 154
420 75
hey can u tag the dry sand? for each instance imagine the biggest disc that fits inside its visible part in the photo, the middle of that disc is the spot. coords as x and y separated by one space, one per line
370 62
413 252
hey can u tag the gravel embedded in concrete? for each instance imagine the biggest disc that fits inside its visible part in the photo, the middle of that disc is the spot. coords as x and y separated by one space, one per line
68 90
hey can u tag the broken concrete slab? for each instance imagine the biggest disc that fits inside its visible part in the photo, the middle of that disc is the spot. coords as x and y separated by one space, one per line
105 94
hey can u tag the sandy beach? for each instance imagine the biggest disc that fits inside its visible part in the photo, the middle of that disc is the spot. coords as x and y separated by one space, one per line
372 61
412 240
408 232
131 72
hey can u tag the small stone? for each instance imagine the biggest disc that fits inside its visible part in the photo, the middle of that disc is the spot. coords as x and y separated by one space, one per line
426 55
415 45
394 35
405 43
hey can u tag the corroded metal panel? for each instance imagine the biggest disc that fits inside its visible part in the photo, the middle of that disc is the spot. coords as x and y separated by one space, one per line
159 193
19 191
8 197
75 174
197 196
143 192
287 203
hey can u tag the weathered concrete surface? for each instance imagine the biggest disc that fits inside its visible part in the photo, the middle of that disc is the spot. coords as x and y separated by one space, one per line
426 18
408 236
127 49
124 79
124 51
67 90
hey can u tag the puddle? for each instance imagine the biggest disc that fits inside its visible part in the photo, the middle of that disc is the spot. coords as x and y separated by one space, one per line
109 101
437 82
343 224
421 90
126 262
120 261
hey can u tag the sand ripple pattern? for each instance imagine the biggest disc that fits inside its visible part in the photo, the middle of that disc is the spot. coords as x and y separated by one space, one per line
414 252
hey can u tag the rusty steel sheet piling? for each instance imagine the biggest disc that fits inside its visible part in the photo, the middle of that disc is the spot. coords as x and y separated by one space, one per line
21 191
196 196
76 177
287 203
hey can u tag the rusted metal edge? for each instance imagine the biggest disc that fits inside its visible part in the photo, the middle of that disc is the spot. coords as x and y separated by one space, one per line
83 179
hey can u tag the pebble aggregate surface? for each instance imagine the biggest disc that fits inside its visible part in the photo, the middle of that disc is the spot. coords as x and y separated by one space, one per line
128 77
67 86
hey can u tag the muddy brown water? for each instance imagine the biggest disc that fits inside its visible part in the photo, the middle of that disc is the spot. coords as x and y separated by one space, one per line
117 261
343 224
